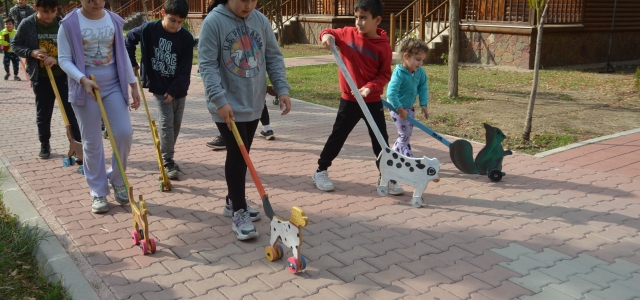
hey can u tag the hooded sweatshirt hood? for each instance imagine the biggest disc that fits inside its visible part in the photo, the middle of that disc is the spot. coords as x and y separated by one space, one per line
234 57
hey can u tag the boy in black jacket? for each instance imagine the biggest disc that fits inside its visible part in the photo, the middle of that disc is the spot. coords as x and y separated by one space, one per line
37 40
167 53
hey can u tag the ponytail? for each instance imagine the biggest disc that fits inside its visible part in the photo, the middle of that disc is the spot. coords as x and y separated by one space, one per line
215 3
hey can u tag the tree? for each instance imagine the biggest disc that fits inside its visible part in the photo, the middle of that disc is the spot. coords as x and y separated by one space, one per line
454 49
537 5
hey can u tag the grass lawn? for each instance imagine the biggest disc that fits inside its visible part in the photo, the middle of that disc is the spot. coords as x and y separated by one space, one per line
571 106
20 278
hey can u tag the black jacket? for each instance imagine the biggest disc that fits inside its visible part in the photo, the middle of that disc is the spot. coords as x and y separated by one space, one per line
176 86
25 41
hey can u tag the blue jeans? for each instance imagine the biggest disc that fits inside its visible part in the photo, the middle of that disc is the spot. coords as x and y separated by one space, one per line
169 121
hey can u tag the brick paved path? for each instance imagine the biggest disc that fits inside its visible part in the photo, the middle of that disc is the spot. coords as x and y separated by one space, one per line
549 230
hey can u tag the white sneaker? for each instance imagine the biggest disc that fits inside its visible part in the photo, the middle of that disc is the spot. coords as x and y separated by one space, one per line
395 189
242 225
99 205
254 215
321 179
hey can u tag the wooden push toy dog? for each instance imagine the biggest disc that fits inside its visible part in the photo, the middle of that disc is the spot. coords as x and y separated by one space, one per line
75 147
393 165
140 234
165 183
416 172
281 230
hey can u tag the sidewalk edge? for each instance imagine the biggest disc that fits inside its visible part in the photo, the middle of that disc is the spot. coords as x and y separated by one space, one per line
57 264
587 142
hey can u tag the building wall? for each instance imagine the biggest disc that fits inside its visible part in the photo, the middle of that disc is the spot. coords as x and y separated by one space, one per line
569 48
496 49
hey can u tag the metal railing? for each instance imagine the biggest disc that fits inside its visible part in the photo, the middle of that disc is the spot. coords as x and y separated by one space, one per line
289 10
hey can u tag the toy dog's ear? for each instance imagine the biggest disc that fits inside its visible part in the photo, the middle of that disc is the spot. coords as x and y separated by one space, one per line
298 217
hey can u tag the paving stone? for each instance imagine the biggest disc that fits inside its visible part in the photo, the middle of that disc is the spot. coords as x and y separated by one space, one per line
632 283
513 251
621 267
547 294
507 290
561 271
535 281
575 287
549 256
585 262
524 265
616 291
600 277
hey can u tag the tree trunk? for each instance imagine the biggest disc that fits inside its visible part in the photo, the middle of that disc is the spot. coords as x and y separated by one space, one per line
536 68
454 48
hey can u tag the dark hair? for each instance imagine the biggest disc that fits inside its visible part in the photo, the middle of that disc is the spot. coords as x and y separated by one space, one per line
47 4
375 7
178 8
213 4
413 46
10 20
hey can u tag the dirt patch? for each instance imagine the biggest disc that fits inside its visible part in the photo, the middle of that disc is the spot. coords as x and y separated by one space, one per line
571 106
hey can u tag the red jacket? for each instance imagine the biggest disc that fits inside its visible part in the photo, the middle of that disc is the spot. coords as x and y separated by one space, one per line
367 59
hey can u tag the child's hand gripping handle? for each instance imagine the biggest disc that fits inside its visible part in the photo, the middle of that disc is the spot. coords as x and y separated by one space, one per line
356 93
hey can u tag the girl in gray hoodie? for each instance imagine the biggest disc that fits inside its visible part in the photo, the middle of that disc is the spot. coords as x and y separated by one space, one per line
236 51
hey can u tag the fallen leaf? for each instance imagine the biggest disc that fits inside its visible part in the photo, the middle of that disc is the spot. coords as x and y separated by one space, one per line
14 272
19 262
28 298
26 267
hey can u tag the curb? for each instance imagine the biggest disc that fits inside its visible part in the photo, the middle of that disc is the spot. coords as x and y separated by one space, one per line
50 254
587 142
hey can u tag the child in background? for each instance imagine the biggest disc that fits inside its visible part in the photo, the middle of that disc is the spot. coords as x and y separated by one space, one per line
237 49
408 81
37 40
90 41
367 55
167 53
6 36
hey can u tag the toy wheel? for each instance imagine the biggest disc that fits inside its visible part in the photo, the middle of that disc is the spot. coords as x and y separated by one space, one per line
143 247
276 101
66 162
303 263
136 237
152 245
495 175
279 250
293 265
416 202
383 190
271 253
72 161
81 170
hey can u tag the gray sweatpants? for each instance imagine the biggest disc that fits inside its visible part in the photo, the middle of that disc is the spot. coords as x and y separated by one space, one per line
169 121
88 116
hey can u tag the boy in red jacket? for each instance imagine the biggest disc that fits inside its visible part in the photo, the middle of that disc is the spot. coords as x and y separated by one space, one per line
366 53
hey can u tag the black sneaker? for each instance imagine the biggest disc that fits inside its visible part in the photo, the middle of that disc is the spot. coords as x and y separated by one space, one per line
45 150
267 135
172 170
16 78
6 77
217 143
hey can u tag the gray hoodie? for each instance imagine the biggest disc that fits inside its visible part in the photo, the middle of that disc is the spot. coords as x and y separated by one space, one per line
234 57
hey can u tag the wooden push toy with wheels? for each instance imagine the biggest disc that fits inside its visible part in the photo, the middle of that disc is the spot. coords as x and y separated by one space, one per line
489 159
416 172
287 232
139 212
75 148
165 183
